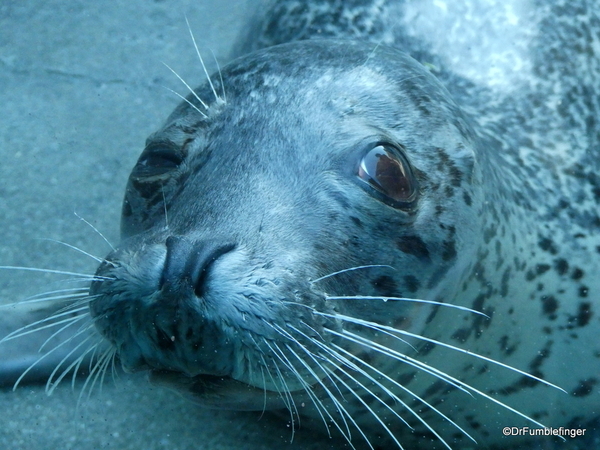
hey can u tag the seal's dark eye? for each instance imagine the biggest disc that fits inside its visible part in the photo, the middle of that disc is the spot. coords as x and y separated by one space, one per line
156 161
386 169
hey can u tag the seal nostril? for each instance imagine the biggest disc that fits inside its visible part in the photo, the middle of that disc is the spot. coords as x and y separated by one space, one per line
189 262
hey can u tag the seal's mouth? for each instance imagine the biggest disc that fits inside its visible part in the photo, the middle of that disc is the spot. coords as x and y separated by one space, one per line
218 392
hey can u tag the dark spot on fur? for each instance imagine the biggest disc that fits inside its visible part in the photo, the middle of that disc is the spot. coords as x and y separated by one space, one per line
504 282
385 285
412 283
534 369
548 246
426 348
583 291
341 199
449 250
542 268
472 421
461 335
406 379
413 245
467 199
549 306
585 314
489 233
561 266
530 275
505 348
585 388
577 274
356 221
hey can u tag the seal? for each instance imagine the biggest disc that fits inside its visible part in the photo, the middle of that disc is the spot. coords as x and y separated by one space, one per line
391 243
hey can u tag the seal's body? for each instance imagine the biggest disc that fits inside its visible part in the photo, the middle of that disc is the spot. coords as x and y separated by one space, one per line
332 230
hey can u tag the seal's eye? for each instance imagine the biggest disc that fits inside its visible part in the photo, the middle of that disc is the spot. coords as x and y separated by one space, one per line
386 169
156 161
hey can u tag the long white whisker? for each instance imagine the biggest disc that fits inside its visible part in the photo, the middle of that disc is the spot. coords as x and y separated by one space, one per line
61 329
96 230
189 88
368 408
41 358
187 101
220 77
349 270
94 374
442 344
77 249
399 357
50 385
319 404
408 391
445 376
332 397
85 276
21 331
285 386
201 60
404 299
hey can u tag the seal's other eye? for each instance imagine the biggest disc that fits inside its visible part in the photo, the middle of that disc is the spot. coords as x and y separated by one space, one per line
156 161
386 169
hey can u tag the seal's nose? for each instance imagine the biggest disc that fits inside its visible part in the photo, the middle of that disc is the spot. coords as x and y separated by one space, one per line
188 262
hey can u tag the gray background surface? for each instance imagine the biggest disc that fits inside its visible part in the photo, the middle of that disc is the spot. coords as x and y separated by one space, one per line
80 90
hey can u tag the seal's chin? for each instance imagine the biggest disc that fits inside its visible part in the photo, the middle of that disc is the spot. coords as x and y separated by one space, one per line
217 392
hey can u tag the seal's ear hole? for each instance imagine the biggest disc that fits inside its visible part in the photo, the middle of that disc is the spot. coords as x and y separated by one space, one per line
157 160
385 168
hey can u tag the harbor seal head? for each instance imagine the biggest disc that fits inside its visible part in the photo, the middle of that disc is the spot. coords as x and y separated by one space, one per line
231 218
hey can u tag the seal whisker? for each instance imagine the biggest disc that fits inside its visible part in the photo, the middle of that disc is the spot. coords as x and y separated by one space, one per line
44 356
405 299
408 391
56 241
433 341
202 61
369 266
345 362
281 356
320 407
433 371
96 230
51 384
74 320
220 76
82 276
50 298
26 329
99 367
316 401
341 410
365 405
334 350
187 101
162 191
